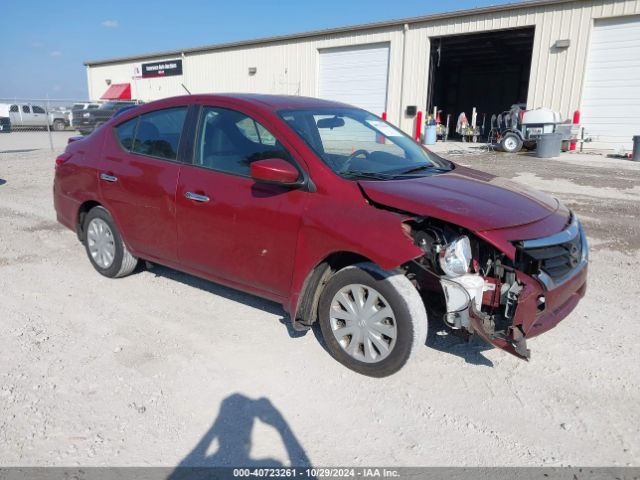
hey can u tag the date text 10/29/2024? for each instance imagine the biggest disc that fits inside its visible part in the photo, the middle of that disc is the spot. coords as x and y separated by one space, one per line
315 473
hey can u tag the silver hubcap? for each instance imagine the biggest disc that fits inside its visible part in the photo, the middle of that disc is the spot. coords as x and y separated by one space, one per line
510 143
102 246
363 323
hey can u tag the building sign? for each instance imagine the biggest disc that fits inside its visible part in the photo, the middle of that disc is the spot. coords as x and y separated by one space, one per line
162 69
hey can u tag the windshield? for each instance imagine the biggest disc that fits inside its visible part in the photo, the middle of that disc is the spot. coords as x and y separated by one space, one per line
357 144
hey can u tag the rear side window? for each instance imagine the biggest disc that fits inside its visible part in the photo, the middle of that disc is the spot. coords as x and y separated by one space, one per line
158 133
125 133
26 109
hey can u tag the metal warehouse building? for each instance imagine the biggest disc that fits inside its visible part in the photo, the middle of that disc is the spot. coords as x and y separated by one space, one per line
566 55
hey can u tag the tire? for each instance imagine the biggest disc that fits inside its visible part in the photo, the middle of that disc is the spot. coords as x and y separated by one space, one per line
511 143
101 238
58 125
395 294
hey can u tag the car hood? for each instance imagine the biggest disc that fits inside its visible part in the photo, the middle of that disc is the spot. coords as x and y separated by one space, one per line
469 198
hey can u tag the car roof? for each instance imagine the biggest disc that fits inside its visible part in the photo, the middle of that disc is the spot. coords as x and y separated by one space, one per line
269 102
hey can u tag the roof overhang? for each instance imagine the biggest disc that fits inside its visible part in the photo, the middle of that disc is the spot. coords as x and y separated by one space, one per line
331 31
117 91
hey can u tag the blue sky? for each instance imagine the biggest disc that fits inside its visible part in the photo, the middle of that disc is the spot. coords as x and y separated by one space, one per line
44 43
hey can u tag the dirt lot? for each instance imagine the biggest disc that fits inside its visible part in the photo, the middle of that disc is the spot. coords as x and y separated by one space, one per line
161 368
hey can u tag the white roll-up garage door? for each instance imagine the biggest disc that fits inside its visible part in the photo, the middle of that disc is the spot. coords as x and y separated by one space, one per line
355 75
611 94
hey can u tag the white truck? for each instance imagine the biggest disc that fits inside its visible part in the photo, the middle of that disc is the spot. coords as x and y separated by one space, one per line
25 115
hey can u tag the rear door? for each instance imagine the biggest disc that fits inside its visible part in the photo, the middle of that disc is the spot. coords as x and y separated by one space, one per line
230 226
27 117
39 116
138 176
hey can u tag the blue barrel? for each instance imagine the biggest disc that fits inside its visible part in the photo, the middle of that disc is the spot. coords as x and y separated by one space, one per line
430 134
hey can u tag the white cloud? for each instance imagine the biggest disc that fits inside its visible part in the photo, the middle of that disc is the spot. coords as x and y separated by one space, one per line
111 24
55 53
37 44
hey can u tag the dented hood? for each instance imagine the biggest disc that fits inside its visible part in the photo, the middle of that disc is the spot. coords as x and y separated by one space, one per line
466 197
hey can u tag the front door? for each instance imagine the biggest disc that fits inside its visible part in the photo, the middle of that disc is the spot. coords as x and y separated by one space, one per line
14 115
230 226
138 174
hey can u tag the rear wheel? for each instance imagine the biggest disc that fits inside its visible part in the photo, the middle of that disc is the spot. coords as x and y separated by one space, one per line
58 125
106 251
511 143
372 320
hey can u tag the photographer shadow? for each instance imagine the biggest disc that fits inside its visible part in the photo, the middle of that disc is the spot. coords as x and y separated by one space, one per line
231 433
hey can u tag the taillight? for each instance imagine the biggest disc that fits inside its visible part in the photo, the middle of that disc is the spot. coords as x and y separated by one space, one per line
60 159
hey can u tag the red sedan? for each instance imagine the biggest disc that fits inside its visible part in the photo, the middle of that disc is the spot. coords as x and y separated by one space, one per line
330 211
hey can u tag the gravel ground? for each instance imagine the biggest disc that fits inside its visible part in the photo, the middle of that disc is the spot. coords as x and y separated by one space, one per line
161 368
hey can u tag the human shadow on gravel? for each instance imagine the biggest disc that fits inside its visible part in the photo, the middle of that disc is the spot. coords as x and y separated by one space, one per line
228 293
2 181
229 441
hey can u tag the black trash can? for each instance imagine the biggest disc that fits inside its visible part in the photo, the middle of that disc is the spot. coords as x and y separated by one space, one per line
549 145
636 149
5 125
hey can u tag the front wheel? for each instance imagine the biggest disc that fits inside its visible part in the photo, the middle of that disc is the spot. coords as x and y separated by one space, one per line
511 143
106 251
372 320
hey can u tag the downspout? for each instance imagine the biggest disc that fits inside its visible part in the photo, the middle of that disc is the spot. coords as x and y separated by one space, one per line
405 29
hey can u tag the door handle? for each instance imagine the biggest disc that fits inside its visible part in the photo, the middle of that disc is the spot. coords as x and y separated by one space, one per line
196 197
108 178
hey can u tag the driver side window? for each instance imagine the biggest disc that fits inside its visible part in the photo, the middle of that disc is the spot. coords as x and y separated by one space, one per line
228 141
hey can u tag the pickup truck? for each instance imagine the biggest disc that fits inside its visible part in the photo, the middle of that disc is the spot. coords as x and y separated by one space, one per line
87 120
79 108
24 115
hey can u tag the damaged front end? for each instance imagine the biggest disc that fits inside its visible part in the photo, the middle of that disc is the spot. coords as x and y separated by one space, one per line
505 299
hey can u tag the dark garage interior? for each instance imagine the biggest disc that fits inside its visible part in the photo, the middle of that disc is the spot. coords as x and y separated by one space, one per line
488 70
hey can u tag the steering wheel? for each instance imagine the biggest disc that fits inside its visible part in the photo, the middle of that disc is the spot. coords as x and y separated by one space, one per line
347 163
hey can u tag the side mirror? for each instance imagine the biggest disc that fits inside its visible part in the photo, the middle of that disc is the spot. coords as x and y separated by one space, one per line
274 170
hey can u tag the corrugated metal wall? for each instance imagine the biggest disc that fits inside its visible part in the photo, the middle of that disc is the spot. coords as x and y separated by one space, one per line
291 66
556 76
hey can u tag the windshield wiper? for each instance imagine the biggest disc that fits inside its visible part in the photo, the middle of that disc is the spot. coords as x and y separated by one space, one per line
373 175
420 168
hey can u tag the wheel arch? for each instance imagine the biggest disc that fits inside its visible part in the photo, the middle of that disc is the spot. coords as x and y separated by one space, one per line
514 131
304 308
83 210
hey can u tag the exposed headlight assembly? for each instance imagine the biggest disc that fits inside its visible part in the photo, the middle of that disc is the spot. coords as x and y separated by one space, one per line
86 115
455 257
